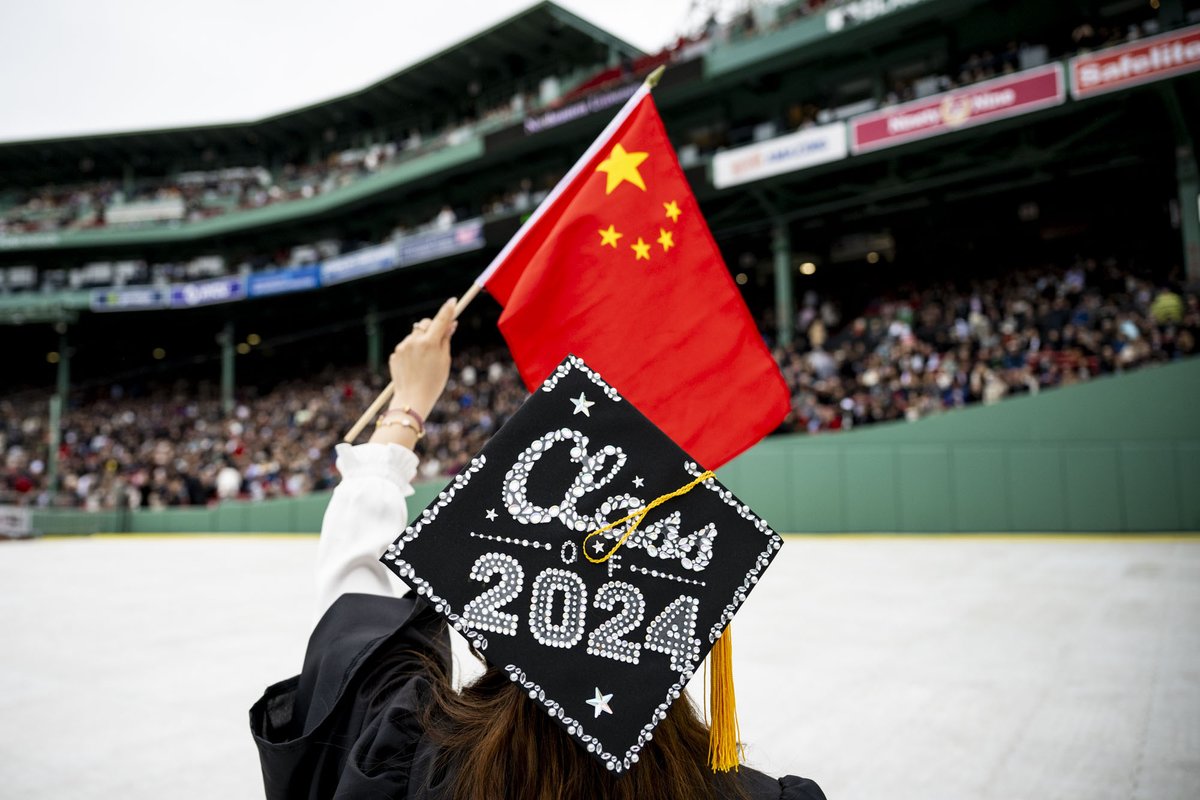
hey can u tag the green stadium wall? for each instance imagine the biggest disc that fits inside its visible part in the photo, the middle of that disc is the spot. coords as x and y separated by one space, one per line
1118 454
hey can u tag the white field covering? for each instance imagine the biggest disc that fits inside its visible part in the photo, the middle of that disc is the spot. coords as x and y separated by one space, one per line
890 667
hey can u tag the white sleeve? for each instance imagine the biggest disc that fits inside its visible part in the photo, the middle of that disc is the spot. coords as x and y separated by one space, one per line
365 514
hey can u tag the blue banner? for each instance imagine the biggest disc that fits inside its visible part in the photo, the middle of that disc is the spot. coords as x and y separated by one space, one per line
283 281
360 263
580 108
422 247
203 293
128 298
414 249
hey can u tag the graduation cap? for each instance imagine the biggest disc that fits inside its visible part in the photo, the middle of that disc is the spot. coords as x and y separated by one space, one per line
591 558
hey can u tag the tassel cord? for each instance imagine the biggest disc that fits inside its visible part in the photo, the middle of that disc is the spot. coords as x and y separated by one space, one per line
638 516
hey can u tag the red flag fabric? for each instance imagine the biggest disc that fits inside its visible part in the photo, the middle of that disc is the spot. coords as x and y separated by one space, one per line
619 268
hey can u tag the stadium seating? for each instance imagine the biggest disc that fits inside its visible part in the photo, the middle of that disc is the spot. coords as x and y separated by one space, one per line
903 357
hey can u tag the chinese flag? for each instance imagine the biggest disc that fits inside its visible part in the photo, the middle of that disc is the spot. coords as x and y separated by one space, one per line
618 267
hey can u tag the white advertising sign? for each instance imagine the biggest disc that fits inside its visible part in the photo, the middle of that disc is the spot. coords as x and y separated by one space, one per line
15 522
789 153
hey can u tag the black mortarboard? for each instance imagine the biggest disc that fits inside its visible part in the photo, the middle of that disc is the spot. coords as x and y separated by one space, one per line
604 648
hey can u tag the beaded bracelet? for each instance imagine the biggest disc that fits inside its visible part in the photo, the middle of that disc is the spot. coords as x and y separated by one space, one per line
420 427
403 422
409 411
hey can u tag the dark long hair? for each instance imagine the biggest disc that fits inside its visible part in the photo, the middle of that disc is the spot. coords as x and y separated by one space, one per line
496 743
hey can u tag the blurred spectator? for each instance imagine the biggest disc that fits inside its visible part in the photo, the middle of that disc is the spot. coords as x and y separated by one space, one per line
229 482
1167 308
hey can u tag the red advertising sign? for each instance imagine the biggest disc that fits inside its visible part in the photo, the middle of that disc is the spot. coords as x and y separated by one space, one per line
1137 62
1040 87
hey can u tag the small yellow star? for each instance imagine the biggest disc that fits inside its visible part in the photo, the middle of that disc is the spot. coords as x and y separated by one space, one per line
672 210
665 239
642 249
609 236
621 166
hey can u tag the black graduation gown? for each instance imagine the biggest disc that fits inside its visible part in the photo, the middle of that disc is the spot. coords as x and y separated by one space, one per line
321 735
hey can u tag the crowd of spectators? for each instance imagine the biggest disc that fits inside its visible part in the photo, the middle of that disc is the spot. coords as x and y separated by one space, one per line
927 349
522 197
176 447
903 82
915 352
197 195
988 63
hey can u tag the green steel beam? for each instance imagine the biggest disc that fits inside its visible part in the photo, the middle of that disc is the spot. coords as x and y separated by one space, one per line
58 403
225 339
785 303
374 340
1188 177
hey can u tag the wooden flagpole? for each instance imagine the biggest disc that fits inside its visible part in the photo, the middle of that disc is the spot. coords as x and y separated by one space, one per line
386 395
390 389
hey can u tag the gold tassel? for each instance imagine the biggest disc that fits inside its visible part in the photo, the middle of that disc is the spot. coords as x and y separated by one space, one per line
724 738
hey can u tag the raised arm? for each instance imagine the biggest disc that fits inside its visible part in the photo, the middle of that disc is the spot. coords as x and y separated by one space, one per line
368 509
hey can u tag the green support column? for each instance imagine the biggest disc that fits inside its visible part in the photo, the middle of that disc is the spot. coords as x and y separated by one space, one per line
1188 178
225 338
57 404
55 439
374 341
63 378
785 305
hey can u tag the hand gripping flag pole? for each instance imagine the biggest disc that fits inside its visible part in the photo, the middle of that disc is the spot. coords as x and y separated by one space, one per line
649 83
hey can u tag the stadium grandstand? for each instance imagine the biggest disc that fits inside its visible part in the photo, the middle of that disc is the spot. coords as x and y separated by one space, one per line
968 233
928 204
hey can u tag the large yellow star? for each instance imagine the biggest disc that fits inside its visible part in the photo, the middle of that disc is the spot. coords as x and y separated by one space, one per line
672 210
665 239
609 236
642 249
621 166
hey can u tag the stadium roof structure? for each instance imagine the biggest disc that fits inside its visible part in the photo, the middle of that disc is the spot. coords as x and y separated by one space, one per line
543 33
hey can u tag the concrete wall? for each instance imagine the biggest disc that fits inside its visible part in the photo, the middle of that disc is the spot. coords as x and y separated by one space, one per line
1116 454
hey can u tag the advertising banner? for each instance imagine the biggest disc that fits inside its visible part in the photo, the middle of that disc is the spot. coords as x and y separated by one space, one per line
1134 63
428 246
789 153
599 101
16 522
128 298
360 263
999 98
16 241
283 281
204 293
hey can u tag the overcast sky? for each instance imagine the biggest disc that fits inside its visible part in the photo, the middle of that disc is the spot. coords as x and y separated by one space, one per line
72 66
